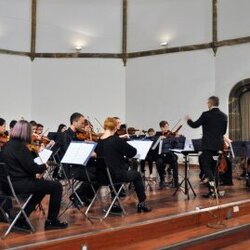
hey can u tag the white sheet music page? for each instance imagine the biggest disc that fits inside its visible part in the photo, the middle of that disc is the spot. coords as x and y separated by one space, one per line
43 157
142 148
78 153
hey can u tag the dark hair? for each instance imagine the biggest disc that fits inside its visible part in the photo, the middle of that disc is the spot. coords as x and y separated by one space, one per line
22 131
214 100
12 123
2 121
39 125
33 123
60 127
151 130
75 117
163 123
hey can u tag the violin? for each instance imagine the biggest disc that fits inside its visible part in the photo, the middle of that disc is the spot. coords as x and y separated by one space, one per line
3 139
86 136
170 133
132 131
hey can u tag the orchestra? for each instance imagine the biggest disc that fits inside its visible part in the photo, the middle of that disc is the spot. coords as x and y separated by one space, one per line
111 144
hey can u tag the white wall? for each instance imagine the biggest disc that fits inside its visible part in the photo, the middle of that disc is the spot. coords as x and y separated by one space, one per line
15 87
167 87
94 87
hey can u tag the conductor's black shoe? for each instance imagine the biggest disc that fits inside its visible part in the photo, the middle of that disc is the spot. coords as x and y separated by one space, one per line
141 207
75 201
55 224
209 195
116 209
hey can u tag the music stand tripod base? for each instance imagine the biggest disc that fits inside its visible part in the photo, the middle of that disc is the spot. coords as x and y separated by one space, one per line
186 181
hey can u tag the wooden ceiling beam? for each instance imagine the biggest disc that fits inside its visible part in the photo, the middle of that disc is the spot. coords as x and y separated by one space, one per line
215 26
33 30
79 55
124 31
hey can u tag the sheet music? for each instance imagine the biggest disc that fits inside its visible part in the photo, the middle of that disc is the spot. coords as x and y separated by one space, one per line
78 153
188 145
142 148
43 156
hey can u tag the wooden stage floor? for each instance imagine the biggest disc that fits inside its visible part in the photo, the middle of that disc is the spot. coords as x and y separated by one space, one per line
164 205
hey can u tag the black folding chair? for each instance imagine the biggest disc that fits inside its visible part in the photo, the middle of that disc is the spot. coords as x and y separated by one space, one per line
103 170
9 191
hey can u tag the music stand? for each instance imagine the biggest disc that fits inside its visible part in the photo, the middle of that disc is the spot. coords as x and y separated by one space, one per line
192 148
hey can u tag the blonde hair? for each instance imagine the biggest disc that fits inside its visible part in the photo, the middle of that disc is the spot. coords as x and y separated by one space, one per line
110 123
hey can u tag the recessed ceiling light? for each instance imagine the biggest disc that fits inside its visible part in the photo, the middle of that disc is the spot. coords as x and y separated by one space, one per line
164 43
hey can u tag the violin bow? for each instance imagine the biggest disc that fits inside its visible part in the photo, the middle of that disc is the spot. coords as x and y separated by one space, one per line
99 123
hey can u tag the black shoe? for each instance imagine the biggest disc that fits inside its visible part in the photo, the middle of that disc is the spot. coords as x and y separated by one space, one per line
116 209
55 224
209 195
22 224
141 207
6 218
76 201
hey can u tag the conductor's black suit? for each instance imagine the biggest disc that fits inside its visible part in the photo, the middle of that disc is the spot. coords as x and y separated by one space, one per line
214 126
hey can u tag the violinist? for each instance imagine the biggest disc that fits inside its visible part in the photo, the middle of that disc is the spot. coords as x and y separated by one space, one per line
3 133
166 158
150 156
23 170
77 124
121 129
12 124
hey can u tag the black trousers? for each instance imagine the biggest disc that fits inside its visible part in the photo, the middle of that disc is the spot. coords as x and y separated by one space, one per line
39 188
208 164
171 159
135 177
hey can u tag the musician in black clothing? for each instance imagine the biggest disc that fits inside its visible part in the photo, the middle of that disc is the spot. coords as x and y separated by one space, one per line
214 126
23 170
113 149
77 124
166 158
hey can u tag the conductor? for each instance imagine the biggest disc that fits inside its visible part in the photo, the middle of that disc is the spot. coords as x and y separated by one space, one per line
214 126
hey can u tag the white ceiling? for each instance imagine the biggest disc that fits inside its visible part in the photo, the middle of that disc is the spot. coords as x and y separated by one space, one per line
97 24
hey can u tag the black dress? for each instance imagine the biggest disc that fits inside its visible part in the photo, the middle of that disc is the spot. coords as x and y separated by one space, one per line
113 149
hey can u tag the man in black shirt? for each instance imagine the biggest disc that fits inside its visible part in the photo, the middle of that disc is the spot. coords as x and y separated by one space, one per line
214 126
77 124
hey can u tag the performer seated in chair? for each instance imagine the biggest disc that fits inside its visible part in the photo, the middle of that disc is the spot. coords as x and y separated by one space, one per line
76 132
23 170
166 158
113 149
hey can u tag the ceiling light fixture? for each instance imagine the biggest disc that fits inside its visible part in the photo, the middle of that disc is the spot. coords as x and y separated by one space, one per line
78 48
164 43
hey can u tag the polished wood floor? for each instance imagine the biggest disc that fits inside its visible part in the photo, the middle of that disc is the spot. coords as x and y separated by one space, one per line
163 202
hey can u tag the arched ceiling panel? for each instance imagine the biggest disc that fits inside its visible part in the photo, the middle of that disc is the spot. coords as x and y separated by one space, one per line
233 19
64 24
181 22
15 24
